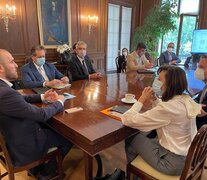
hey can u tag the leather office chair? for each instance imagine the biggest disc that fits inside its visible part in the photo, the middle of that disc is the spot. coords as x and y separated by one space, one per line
123 65
194 163
157 62
6 162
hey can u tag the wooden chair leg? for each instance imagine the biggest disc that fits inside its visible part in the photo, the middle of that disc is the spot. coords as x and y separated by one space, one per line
59 166
128 174
11 176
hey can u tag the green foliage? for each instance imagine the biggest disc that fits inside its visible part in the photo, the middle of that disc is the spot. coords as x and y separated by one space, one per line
160 20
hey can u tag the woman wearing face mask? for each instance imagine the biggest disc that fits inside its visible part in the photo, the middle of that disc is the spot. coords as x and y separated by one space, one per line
173 117
122 61
169 57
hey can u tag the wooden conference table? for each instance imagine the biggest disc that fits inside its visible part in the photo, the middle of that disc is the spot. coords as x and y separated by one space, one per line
89 129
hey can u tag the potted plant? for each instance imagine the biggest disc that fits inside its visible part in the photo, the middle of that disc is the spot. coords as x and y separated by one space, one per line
64 53
159 21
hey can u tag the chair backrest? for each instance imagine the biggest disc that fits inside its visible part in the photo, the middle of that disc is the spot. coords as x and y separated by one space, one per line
116 61
4 156
17 84
157 62
196 156
69 75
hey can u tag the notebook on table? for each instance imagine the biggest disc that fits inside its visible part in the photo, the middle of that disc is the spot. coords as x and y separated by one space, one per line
146 71
40 90
115 111
120 109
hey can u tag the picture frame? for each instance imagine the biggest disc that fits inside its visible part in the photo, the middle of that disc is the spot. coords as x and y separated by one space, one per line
54 20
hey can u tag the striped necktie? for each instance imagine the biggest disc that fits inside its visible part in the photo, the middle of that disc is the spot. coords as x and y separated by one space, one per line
84 64
42 72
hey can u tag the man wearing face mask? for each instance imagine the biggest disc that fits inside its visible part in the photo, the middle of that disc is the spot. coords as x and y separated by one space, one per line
169 57
137 59
201 74
80 67
38 73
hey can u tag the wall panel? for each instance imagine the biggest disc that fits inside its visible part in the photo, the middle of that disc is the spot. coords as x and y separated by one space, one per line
24 33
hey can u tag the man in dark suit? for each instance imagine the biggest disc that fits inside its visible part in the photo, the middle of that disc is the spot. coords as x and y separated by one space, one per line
169 57
23 124
38 73
80 67
201 74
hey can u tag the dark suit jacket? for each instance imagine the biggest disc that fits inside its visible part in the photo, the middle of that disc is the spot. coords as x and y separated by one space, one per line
164 58
78 71
32 78
201 120
21 124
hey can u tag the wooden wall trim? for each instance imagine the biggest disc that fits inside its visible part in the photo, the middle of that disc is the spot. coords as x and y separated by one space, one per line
202 24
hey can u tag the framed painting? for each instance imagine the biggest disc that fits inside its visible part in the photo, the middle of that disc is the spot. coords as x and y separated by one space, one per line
54 20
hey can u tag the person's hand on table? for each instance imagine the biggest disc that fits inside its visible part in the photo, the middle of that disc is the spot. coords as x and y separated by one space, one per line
65 79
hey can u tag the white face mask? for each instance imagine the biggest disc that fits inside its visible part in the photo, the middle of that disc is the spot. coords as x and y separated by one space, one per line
124 53
199 74
81 53
170 49
156 86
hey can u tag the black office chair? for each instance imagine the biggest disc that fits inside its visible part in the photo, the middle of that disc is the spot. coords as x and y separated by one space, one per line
17 84
119 68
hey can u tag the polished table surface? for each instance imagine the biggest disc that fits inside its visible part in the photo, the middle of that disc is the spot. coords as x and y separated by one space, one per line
89 129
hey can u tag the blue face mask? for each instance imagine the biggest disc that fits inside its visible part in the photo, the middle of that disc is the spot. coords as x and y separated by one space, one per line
40 61
156 86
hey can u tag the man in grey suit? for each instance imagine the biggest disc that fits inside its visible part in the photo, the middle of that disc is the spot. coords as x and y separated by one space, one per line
169 57
22 124
38 73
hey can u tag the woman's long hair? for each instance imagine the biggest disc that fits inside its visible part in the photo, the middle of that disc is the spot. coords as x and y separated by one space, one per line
175 81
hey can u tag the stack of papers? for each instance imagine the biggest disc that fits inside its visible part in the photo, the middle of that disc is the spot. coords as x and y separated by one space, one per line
61 86
68 96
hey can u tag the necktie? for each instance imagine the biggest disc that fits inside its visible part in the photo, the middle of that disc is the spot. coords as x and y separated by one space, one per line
86 68
42 72
203 94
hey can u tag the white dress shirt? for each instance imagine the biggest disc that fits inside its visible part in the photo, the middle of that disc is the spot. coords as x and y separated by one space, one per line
173 120
6 81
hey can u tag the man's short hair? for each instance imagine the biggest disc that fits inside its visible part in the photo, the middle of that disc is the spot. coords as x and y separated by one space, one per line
36 48
171 43
204 56
141 46
80 43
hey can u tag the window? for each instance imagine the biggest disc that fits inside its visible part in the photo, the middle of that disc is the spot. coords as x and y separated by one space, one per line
119 32
113 35
126 28
191 7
